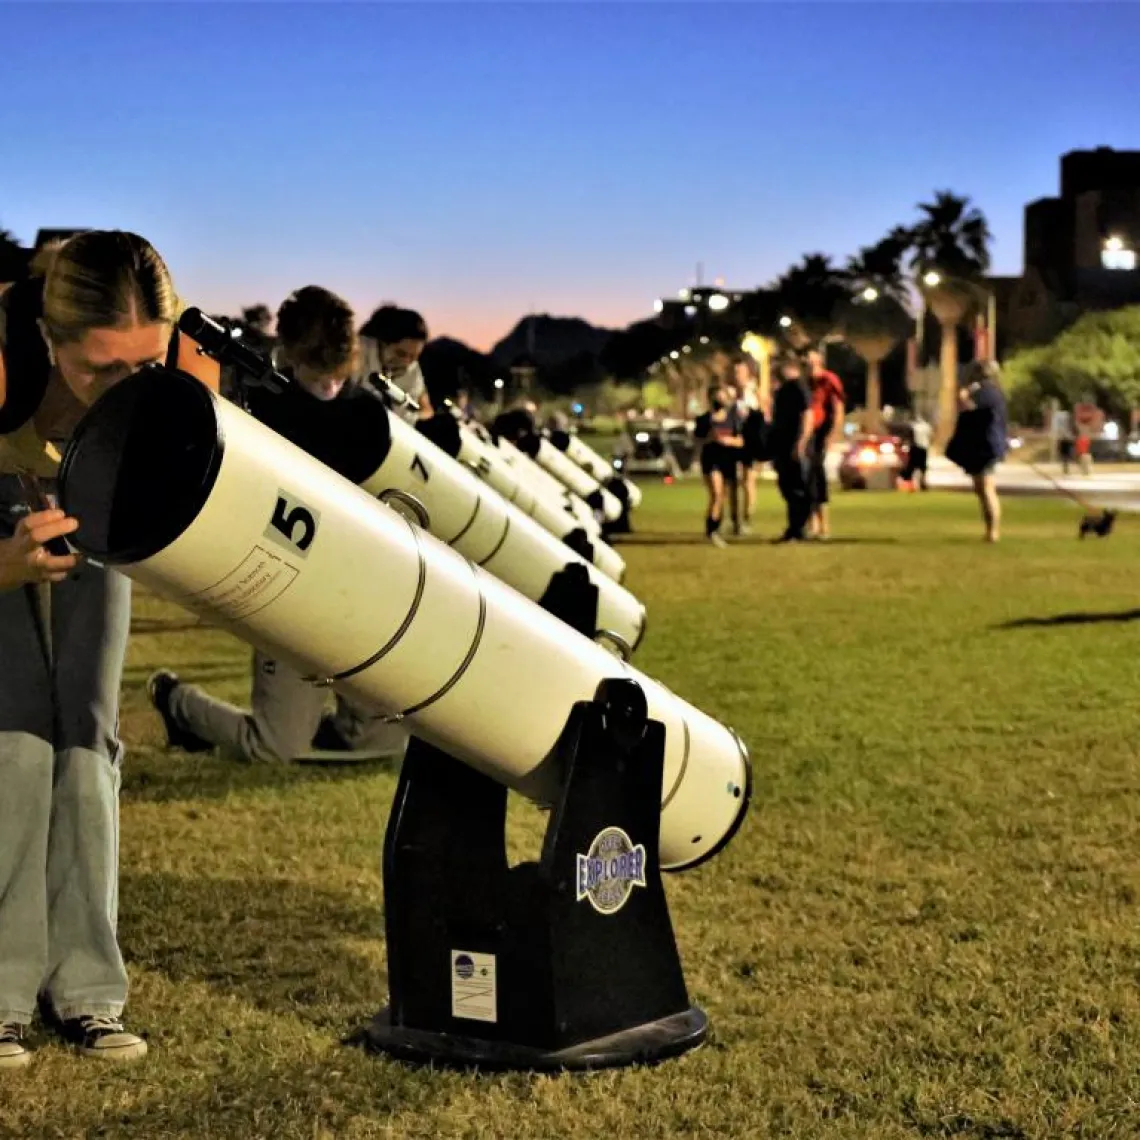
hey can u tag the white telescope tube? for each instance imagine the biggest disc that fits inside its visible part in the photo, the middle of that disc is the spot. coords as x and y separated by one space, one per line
363 440
577 507
187 494
546 483
570 475
485 459
594 465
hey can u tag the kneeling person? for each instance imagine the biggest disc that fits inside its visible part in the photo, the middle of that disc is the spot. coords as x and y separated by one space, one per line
318 351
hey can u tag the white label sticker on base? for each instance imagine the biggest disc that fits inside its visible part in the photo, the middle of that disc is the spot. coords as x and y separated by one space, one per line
473 990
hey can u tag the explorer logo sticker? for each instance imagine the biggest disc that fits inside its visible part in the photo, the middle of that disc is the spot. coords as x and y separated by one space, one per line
610 871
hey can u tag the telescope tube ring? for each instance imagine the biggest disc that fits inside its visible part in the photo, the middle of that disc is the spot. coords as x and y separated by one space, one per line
413 504
623 647
394 640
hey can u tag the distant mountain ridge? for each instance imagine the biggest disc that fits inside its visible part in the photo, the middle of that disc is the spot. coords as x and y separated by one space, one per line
551 340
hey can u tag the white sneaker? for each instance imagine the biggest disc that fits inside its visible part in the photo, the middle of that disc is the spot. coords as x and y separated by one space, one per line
103 1037
14 1054
717 540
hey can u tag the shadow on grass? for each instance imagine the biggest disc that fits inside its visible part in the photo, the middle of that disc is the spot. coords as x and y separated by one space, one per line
167 625
1070 619
195 672
150 776
274 943
661 538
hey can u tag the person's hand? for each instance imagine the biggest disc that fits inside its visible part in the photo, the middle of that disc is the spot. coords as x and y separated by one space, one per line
25 558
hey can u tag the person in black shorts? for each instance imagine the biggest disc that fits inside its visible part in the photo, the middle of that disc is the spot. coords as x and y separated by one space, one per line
719 431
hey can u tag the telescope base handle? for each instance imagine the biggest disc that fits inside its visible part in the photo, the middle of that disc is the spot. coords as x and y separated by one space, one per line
567 962
573 598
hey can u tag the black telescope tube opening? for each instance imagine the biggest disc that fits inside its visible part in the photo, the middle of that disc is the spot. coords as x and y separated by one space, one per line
141 465
443 430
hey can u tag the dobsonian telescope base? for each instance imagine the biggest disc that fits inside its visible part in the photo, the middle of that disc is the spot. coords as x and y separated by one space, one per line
642 1045
564 963
620 525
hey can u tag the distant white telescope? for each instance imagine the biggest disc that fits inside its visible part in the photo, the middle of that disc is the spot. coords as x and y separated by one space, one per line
188 494
596 467
550 507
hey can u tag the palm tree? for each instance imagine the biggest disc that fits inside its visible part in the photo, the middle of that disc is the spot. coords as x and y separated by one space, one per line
951 254
876 317
811 294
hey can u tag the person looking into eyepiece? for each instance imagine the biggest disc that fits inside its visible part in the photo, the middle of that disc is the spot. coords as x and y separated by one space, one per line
105 307
391 342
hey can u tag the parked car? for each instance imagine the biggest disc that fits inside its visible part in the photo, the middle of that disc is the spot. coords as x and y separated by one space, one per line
872 463
655 447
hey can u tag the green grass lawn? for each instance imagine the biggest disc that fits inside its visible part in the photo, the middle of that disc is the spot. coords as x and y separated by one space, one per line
928 927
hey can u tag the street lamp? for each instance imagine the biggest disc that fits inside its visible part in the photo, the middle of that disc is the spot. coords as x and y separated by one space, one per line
499 385
658 306
674 355
932 278
704 340
870 293
785 322
687 348
718 302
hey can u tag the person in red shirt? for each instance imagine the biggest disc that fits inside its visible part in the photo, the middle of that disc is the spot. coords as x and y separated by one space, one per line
827 405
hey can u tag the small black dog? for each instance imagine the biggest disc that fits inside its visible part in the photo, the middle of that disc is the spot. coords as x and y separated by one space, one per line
1100 525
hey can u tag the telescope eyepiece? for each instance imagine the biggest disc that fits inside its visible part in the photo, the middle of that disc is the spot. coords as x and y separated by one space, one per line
220 344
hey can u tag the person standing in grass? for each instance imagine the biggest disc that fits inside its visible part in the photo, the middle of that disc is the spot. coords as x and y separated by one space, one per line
789 443
752 454
105 308
827 409
720 433
981 438
918 454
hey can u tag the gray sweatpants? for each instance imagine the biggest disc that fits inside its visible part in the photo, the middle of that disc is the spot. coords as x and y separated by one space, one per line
285 714
60 762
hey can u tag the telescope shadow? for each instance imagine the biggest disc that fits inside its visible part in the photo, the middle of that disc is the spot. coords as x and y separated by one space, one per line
197 672
153 776
282 946
141 624
1070 619
662 538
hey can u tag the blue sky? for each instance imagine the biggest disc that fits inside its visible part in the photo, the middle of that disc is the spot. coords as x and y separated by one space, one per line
475 160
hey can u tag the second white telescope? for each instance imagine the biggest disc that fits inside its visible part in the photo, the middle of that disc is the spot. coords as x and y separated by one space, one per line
191 496
593 464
